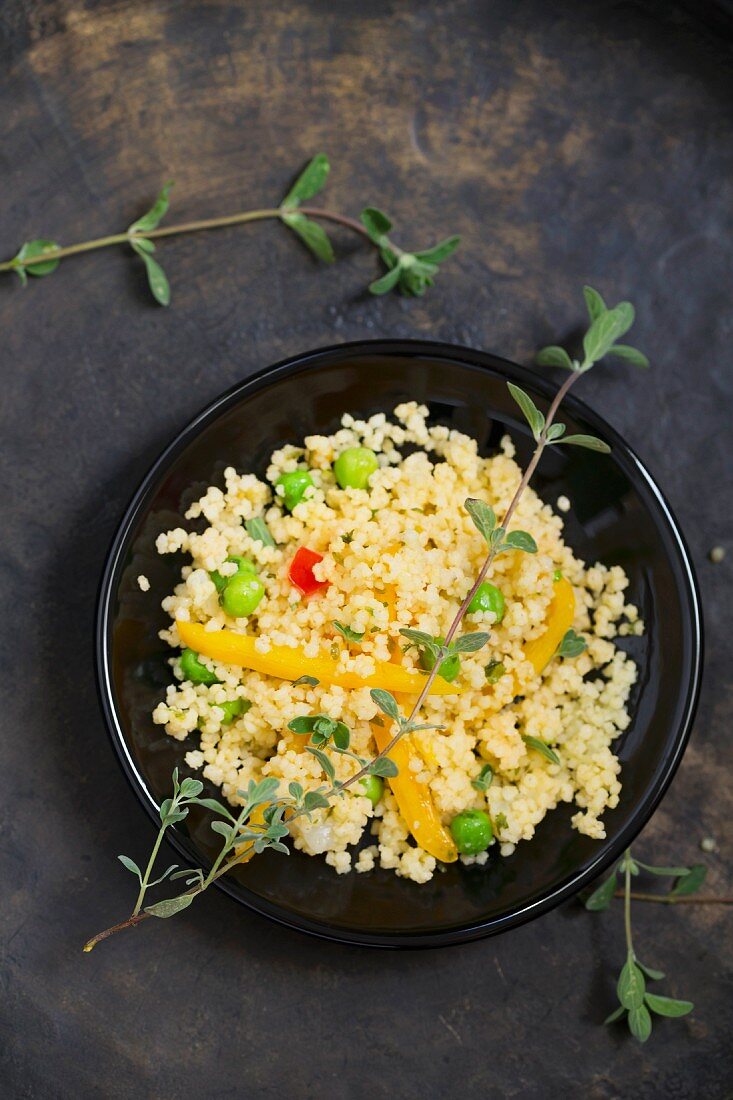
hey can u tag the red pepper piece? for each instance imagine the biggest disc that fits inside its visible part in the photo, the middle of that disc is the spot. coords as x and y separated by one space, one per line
301 571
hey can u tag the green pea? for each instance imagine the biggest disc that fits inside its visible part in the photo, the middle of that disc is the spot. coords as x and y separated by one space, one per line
233 708
557 575
194 670
472 832
354 467
241 595
294 485
373 788
449 668
244 565
488 598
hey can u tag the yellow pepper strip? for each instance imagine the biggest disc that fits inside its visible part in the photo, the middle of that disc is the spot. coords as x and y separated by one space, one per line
413 797
290 664
560 615
414 800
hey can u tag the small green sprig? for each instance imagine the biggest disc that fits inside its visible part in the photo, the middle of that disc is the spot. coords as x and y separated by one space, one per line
434 649
410 272
636 1004
572 644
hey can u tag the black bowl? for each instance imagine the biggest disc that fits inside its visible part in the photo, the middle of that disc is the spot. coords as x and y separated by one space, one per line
618 517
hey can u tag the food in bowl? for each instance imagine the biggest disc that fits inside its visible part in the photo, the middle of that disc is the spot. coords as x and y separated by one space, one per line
292 606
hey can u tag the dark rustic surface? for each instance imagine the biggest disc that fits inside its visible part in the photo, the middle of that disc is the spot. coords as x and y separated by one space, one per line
566 142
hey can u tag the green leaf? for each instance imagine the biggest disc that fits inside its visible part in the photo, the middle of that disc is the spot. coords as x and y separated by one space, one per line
157 280
470 643
384 767
37 248
667 1006
691 882
484 779
191 788
494 671
258 530
310 181
314 800
483 516
346 632
631 985
223 829
310 681
630 355
655 975
341 736
422 640
594 302
216 806
142 244
519 540
168 871
377 225
296 791
131 866
532 414
312 235
306 723
155 214
554 432
602 896
264 791
323 761
439 252
670 872
541 747
170 906
386 703
386 282
640 1023
165 808
554 356
572 644
616 1015
589 441
605 330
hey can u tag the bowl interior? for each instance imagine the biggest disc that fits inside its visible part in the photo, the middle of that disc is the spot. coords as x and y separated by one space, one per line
617 517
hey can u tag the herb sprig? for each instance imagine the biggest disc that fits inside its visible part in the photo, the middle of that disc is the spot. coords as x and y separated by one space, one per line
410 272
636 1004
266 816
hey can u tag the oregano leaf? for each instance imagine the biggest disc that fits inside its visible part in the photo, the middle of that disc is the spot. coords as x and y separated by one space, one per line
591 442
386 703
594 302
640 1023
131 866
310 181
170 906
554 356
541 747
602 896
155 214
312 235
532 414
667 1006
483 516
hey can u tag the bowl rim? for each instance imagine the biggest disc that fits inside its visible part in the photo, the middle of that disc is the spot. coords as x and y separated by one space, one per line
185 848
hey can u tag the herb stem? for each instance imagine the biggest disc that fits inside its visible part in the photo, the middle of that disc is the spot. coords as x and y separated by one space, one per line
627 903
149 870
671 899
460 614
184 227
